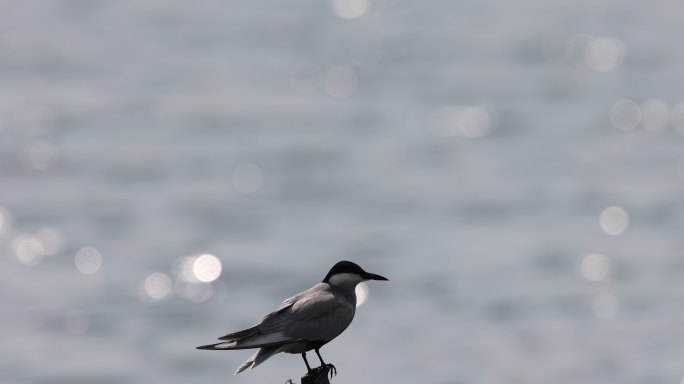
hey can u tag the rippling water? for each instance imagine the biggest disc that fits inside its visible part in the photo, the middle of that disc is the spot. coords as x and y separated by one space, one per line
170 171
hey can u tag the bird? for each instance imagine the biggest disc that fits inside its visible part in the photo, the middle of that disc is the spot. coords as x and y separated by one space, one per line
305 321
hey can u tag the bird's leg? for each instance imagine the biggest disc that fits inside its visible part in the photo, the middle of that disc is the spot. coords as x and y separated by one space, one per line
324 364
308 368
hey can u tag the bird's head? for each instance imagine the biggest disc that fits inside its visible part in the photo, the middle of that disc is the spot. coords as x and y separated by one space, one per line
348 274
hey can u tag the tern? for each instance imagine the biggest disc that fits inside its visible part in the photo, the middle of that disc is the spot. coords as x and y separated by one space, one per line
305 321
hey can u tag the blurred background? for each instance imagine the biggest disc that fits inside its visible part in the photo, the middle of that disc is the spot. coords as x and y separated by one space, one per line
171 170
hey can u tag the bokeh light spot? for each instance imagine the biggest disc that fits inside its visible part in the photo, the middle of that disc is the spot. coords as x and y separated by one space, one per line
341 81
575 50
604 54
88 260
247 178
460 121
52 240
156 286
614 220
677 117
606 306
28 250
206 268
182 269
475 122
655 115
196 293
350 9
5 220
595 267
625 115
361 293
193 276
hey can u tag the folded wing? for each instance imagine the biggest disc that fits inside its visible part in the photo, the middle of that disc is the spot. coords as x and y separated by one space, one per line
313 315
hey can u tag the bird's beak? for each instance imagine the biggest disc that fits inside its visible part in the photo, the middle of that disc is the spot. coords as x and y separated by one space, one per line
373 276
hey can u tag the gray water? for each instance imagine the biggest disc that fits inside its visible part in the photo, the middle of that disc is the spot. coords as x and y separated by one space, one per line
464 149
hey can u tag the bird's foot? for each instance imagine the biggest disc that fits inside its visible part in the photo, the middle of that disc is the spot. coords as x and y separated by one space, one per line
331 368
319 375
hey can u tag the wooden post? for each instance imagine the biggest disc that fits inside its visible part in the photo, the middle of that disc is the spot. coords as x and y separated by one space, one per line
317 376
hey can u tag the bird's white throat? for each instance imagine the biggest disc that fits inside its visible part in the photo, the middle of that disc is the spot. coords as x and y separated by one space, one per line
345 280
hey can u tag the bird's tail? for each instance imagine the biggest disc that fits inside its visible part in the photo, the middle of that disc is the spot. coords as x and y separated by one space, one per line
258 358
219 346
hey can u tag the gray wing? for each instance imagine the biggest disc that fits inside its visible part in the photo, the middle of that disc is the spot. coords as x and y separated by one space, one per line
313 315
320 315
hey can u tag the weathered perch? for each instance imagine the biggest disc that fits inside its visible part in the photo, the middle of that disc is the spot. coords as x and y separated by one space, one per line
317 376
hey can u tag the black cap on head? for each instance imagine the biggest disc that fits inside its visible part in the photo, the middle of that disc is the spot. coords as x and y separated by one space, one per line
345 266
